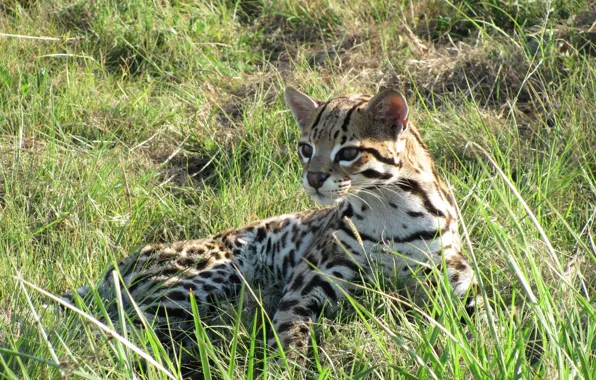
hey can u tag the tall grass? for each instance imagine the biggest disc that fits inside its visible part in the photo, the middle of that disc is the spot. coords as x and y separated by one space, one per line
159 121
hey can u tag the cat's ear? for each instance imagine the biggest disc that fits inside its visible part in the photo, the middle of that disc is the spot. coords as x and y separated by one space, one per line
391 108
301 105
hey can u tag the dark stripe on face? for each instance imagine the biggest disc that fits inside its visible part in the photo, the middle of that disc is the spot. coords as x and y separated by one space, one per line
344 126
378 156
371 173
414 187
319 115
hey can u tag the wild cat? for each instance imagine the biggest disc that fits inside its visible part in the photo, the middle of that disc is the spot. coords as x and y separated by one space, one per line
387 207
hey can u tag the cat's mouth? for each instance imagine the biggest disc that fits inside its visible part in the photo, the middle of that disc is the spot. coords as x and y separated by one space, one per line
330 192
326 198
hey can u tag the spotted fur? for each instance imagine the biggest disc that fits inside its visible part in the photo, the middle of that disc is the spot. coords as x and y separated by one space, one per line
388 209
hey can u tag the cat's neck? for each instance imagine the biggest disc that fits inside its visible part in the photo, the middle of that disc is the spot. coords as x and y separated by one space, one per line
418 196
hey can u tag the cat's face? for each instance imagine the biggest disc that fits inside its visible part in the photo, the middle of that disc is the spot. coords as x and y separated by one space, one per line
350 143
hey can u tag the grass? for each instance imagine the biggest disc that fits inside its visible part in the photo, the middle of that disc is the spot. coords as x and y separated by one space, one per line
159 121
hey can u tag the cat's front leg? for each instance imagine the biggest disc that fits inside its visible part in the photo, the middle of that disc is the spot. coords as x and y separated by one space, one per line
310 290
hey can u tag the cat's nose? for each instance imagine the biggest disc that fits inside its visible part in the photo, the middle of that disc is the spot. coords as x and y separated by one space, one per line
316 179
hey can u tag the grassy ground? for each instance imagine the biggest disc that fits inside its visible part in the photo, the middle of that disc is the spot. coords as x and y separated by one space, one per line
142 121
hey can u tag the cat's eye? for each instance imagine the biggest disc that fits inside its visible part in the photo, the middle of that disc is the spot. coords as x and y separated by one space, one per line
347 154
306 150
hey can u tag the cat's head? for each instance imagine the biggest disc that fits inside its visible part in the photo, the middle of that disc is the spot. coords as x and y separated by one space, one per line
349 143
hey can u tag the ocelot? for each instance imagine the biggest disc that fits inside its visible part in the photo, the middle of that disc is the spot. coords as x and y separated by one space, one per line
387 208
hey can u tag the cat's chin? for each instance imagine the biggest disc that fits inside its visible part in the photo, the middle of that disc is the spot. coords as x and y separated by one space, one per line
325 200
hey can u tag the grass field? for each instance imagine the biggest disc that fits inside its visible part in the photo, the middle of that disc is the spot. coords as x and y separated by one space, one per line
126 122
